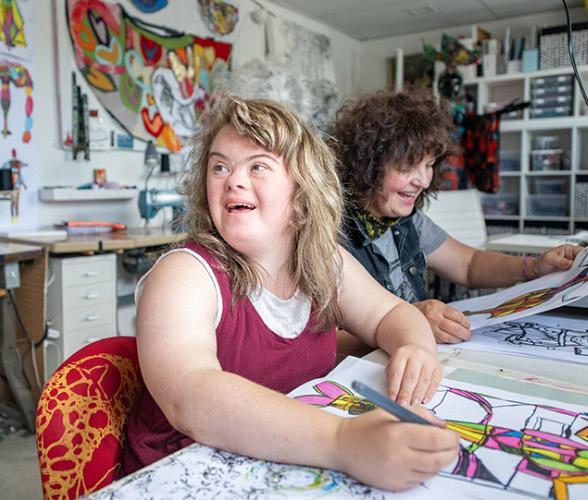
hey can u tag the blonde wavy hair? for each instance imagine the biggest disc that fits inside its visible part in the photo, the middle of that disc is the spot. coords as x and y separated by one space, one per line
316 205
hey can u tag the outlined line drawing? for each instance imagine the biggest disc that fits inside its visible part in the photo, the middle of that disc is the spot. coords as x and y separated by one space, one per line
549 444
541 336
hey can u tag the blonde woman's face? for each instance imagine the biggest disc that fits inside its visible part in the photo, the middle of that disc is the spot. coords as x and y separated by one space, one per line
250 194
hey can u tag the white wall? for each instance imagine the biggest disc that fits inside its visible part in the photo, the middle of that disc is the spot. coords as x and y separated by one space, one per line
126 167
373 63
358 67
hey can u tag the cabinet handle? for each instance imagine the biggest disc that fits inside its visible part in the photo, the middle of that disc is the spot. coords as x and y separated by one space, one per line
92 295
90 274
91 317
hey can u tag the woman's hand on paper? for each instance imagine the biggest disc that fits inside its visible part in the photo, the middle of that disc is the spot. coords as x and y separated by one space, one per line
413 374
377 449
449 325
559 258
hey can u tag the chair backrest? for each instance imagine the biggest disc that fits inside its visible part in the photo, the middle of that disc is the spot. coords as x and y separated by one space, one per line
81 417
460 214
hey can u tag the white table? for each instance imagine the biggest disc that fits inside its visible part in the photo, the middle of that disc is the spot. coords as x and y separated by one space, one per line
191 472
532 243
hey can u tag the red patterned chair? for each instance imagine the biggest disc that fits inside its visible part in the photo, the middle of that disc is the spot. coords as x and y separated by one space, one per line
81 417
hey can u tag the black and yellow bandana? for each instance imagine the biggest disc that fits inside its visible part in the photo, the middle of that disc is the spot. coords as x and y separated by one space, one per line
375 227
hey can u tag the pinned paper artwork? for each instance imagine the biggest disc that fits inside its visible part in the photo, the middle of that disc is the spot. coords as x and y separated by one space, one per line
219 17
541 336
16 23
154 81
12 26
532 297
16 79
149 6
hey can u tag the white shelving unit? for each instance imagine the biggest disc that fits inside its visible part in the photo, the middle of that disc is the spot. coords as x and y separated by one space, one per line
530 199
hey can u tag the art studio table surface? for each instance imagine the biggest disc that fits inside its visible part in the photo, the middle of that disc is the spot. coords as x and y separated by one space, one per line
183 475
63 243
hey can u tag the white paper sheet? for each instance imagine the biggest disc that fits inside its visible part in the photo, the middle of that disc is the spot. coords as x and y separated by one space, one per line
532 297
541 336
511 444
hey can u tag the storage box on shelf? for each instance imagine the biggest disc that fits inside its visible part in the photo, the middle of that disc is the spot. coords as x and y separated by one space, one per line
544 159
581 200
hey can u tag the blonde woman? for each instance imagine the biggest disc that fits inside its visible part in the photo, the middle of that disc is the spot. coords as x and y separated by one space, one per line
246 311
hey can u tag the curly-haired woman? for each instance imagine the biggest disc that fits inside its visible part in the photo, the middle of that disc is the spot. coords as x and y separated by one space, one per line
390 147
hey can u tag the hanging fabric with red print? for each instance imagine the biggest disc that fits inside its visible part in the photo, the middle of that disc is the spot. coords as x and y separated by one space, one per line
481 147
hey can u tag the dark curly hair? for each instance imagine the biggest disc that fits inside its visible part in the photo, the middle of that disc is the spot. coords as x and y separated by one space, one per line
386 129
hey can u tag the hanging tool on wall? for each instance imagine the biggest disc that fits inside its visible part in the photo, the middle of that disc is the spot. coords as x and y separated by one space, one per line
81 135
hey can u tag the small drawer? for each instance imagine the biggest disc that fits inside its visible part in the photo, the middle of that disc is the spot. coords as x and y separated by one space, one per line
86 271
74 340
88 295
547 205
87 317
500 204
549 159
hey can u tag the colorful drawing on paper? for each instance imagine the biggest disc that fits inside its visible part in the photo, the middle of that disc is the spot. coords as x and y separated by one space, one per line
154 81
219 17
546 446
149 6
542 294
12 31
14 74
334 395
534 298
511 444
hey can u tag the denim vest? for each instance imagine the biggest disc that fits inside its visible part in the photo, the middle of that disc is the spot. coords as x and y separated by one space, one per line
406 238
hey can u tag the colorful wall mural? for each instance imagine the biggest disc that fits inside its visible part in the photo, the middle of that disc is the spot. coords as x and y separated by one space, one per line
153 80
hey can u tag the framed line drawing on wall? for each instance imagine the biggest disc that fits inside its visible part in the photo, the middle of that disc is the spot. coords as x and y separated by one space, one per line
417 70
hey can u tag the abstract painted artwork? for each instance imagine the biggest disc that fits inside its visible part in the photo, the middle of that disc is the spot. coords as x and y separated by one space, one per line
219 17
12 31
15 78
153 80
149 6
531 297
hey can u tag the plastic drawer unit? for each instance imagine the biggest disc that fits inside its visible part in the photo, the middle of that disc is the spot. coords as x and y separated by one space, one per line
81 301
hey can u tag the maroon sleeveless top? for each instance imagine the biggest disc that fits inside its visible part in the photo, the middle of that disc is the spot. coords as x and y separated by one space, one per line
246 347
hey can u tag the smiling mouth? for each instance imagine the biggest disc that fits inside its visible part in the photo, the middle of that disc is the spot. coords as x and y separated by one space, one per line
408 195
239 207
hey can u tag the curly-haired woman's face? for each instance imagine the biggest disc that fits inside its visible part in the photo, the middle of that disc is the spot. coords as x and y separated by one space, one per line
401 189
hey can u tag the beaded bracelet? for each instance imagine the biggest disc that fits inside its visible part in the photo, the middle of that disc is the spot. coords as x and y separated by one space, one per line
526 260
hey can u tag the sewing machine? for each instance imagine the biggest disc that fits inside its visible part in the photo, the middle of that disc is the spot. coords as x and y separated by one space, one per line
151 201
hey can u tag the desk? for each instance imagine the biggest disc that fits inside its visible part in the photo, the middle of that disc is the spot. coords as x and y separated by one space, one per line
31 315
102 242
187 474
82 303
530 243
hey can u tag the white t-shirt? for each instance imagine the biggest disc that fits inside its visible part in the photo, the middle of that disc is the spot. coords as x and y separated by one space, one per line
286 318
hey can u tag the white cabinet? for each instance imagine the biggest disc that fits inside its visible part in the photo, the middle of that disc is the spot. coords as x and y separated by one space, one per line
81 300
535 195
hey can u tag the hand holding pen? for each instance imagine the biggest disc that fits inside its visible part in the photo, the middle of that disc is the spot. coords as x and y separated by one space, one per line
379 450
